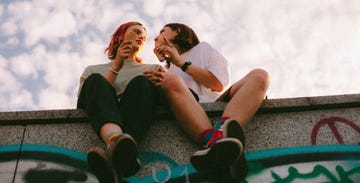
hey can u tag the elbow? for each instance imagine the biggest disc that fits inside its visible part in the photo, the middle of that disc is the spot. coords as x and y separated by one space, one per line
218 87
214 83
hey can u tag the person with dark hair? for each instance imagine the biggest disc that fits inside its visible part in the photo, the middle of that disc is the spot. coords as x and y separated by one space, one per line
199 73
113 95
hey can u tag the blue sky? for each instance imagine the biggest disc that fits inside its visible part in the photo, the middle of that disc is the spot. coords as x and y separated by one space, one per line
310 48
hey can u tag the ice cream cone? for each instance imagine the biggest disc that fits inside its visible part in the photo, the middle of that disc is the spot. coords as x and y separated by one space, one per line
130 36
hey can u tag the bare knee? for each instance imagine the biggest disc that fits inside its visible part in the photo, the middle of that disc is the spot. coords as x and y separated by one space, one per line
260 77
173 83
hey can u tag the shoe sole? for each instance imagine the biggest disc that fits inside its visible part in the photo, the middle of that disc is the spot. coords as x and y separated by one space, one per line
99 166
125 156
239 168
222 154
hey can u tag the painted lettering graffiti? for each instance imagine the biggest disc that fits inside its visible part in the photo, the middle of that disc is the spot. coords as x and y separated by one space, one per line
319 170
316 163
333 163
331 122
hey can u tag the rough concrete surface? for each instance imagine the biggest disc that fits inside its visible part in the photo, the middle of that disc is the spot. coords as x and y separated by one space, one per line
54 142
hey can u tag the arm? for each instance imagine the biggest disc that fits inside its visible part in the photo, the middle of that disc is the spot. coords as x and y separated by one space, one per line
203 76
123 52
200 75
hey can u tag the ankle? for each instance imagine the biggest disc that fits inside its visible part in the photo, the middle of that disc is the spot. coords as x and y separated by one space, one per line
111 137
205 136
220 122
216 135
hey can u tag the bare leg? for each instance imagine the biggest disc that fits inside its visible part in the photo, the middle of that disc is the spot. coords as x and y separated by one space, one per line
247 96
185 108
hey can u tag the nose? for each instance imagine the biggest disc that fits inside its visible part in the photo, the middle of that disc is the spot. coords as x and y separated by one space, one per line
142 37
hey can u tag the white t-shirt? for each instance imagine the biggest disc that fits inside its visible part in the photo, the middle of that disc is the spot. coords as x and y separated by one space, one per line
205 56
129 70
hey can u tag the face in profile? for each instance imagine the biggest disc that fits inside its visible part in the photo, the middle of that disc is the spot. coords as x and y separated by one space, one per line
167 33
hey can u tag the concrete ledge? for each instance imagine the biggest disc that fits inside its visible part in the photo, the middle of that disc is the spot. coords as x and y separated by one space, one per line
212 109
280 124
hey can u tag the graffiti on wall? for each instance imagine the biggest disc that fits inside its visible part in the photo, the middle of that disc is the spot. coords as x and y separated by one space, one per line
316 163
39 163
332 124
332 163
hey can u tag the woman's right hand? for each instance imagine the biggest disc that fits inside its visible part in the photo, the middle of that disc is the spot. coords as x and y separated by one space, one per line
168 49
123 52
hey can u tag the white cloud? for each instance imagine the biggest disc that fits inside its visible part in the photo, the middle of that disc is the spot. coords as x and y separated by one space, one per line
27 65
13 41
9 28
62 70
300 47
94 53
308 47
1 10
41 20
59 70
21 100
13 96
154 8
57 24
22 66
54 99
8 81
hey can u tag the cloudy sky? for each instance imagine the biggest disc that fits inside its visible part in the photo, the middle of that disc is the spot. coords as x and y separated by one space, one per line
310 48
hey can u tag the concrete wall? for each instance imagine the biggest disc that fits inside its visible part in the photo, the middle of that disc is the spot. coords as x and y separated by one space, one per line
310 139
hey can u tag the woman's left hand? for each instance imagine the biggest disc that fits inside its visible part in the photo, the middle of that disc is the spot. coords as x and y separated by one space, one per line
157 77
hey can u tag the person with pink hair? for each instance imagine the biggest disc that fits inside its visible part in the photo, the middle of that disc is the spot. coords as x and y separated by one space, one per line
120 103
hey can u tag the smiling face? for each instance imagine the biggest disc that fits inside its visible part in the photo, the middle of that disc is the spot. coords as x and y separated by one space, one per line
165 32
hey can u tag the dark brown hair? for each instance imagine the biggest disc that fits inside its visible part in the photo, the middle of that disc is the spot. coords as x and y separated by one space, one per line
186 37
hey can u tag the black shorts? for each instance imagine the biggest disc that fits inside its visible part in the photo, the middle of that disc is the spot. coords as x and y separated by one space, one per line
225 97
194 94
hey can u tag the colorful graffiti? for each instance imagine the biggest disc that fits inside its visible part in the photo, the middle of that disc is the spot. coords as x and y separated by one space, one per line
39 163
344 176
333 163
314 163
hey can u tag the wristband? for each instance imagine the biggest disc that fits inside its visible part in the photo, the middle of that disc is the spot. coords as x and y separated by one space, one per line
185 66
113 71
